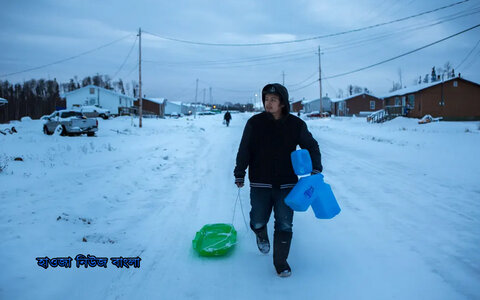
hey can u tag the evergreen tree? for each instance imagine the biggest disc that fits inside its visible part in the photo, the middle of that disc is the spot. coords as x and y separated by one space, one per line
121 89
425 79
97 80
434 75
86 81
71 85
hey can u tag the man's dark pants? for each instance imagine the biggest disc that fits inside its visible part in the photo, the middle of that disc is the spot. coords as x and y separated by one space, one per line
262 201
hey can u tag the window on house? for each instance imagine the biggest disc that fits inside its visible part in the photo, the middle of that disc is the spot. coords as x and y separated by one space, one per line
397 101
372 104
411 101
455 83
92 91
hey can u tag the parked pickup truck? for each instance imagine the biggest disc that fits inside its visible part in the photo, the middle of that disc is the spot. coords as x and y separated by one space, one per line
69 122
92 111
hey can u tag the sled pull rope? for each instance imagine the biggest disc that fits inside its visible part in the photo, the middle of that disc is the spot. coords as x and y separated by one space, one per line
241 207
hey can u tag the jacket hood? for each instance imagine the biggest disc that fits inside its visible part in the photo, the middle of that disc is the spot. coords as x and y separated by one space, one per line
281 91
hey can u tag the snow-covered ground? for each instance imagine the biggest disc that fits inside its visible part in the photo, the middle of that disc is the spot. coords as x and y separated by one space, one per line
409 226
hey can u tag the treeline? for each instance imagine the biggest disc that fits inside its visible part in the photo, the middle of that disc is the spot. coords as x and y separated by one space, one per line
103 81
35 98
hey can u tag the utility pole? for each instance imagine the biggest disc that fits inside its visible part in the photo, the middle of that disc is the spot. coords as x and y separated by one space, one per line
320 77
211 102
194 104
203 96
196 90
283 78
140 76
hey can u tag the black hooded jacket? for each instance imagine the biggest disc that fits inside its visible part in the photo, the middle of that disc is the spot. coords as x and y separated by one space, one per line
267 143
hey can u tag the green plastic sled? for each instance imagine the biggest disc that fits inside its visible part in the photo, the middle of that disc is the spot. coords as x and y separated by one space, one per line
215 239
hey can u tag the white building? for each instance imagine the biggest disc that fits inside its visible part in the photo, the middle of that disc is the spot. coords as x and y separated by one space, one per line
94 95
173 107
314 105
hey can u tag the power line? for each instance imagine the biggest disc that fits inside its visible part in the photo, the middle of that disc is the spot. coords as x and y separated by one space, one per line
236 66
388 60
301 82
475 57
66 59
468 55
126 58
245 62
249 61
352 44
133 69
310 38
404 54
230 62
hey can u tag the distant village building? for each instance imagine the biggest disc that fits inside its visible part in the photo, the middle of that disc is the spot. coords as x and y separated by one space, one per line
359 104
296 105
310 106
94 95
152 106
174 107
452 99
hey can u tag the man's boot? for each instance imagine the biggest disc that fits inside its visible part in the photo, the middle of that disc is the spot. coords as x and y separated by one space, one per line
262 239
281 248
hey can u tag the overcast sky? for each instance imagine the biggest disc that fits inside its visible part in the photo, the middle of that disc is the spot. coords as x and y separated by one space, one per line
35 33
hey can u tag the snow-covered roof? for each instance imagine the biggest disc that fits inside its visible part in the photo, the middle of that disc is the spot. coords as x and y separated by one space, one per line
325 98
100 88
419 87
310 101
179 103
156 100
3 101
351 97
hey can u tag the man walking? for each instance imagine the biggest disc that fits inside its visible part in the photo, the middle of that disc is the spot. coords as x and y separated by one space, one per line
267 142
227 117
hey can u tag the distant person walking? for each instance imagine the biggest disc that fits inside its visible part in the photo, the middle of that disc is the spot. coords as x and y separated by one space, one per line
227 117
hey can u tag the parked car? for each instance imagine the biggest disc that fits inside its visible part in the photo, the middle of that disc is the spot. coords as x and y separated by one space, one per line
70 122
93 111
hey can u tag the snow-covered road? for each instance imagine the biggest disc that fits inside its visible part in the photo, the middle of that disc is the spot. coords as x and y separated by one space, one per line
409 226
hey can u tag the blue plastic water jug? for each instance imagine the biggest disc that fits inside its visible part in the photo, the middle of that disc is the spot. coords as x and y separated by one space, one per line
312 190
324 205
302 194
301 161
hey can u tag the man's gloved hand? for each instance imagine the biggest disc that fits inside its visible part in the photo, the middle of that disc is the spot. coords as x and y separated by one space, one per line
239 184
